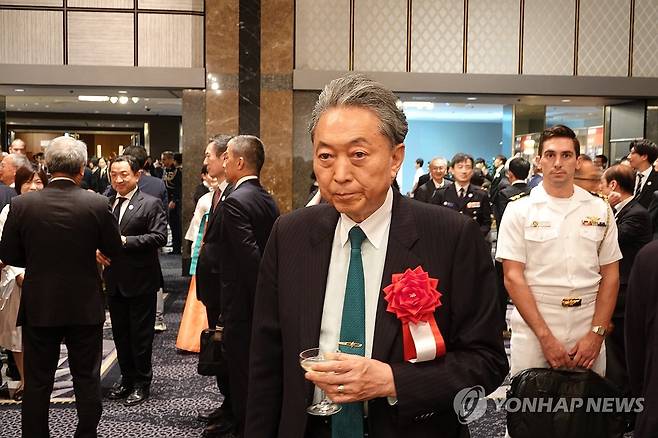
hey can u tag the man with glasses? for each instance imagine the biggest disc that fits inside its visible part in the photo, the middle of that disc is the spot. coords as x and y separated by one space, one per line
588 176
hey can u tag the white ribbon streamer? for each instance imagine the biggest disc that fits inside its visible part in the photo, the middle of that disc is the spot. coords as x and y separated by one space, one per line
424 341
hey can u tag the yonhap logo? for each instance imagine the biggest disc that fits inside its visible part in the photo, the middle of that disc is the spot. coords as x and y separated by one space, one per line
470 404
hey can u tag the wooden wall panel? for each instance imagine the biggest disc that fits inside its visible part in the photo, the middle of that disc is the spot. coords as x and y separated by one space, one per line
173 5
167 40
56 3
31 37
109 4
111 43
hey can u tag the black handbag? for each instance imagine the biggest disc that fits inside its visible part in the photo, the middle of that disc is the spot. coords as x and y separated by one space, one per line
212 360
545 403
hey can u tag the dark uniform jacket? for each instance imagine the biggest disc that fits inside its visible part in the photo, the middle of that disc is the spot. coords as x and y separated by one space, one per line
425 192
503 196
474 204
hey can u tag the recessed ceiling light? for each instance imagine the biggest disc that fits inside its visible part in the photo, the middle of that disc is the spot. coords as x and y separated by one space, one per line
123 100
47 106
566 100
36 103
114 99
471 98
122 92
135 99
11 106
19 90
93 98
96 112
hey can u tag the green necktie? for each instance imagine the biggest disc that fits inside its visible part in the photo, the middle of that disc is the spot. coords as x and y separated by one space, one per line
348 423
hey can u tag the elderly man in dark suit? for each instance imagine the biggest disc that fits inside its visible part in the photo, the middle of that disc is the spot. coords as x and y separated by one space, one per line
634 231
438 169
321 283
62 298
208 287
132 279
245 219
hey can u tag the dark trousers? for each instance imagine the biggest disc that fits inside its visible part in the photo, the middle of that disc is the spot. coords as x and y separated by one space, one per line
237 336
175 225
133 320
41 347
222 381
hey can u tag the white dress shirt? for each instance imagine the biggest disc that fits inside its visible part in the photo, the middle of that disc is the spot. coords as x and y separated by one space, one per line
124 206
373 254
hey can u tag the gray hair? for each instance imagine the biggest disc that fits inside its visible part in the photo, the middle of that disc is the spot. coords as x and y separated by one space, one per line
19 160
360 91
439 159
66 155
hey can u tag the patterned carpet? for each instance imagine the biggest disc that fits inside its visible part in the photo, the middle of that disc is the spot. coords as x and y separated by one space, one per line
177 391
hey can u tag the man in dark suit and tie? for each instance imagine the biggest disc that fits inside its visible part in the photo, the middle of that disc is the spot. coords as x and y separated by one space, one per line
321 281
641 157
438 169
634 231
462 196
62 298
517 173
132 279
208 287
245 219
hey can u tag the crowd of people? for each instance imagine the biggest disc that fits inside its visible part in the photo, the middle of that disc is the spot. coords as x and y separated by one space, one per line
399 294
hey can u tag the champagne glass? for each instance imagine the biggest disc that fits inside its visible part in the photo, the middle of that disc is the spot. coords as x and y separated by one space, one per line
307 359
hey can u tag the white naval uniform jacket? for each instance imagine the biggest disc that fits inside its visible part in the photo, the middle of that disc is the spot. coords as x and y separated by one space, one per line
563 243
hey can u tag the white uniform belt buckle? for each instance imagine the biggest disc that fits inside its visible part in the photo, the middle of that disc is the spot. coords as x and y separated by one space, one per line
571 302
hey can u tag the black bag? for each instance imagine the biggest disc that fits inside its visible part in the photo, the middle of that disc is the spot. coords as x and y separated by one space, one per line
527 419
211 354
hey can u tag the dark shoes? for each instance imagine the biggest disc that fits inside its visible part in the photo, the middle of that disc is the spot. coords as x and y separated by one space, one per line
220 423
209 414
137 396
119 391
219 430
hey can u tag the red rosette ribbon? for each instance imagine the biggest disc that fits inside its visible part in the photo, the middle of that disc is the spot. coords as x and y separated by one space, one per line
412 297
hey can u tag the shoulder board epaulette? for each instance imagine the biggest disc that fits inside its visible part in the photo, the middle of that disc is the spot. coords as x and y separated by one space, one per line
519 196
600 195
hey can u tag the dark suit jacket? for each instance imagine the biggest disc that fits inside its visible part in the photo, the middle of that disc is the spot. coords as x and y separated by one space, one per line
634 231
425 192
54 234
475 204
6 193
100 183
646 195
641 330
246 217
288 315
207 271
503 196
653 213
136 269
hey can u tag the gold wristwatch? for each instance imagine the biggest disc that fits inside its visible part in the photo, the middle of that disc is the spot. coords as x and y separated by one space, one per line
599 330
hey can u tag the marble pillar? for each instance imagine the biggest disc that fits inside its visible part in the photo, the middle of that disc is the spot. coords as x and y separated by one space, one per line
276 98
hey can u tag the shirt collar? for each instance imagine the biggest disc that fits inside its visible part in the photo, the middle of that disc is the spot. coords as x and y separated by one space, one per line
60 178
646 173
374 226
623 204
443 182
245 178
538 194
519 181
222 186
129 195
459 186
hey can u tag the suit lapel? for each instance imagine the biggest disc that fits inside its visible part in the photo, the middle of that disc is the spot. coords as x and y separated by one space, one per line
315 280
399 256
133 206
